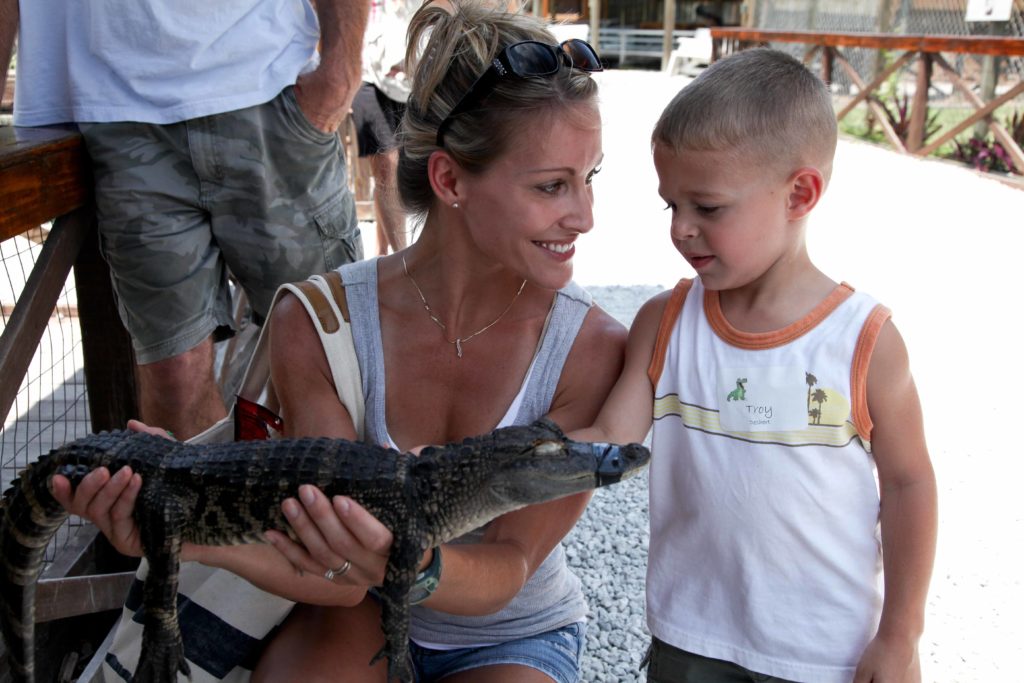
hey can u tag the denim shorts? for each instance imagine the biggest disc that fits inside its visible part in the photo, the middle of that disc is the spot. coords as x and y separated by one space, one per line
259 192
556 653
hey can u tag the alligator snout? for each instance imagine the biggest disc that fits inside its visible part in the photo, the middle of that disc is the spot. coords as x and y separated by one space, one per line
615 463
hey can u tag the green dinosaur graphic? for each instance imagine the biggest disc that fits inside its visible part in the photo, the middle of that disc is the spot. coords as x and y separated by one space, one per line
739 393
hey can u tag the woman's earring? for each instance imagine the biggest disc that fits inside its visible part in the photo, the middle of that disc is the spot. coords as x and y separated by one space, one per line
455 205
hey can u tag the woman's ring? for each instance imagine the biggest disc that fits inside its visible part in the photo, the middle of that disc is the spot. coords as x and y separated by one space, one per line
340 571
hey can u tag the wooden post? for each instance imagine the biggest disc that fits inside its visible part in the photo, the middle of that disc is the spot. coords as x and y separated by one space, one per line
989 76
919 108
827 60
109 359
668 44
595 24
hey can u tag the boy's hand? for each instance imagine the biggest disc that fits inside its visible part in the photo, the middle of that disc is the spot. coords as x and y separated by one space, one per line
889 661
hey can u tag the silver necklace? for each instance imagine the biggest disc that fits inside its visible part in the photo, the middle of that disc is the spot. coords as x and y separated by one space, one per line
459 341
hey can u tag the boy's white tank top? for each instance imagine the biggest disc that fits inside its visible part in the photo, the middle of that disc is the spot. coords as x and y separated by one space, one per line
764 504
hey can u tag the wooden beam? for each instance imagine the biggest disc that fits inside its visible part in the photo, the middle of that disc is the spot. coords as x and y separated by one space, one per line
828 58
32 310
107 352
981 45
879 113
919 108
866 91
998 132
668 42
77 595
43 173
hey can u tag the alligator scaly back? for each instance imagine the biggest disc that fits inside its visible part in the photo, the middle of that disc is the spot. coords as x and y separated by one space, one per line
222 494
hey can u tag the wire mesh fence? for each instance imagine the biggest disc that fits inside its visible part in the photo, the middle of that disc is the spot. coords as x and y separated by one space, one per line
51 405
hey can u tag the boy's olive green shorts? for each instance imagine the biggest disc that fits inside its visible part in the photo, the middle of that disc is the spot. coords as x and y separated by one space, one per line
259 192
668 664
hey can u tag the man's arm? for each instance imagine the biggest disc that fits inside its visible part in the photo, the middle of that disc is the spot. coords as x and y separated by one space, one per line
326 94
8 30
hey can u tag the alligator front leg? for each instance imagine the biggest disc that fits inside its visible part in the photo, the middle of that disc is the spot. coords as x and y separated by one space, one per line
394 597
163 652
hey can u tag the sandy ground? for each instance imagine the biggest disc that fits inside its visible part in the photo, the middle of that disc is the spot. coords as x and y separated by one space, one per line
940 245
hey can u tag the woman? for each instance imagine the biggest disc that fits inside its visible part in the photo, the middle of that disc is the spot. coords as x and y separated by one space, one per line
475 326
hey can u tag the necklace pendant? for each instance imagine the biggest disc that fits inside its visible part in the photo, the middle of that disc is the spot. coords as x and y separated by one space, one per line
458 347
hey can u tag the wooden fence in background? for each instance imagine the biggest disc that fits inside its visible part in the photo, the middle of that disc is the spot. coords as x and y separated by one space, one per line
924 51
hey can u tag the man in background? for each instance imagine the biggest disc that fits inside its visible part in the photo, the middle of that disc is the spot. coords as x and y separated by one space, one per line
211 130
378 109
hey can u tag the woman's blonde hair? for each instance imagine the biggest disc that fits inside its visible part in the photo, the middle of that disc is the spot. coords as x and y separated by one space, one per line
448 49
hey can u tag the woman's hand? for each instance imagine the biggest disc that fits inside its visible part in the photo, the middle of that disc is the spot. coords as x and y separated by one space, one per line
108 501
333 533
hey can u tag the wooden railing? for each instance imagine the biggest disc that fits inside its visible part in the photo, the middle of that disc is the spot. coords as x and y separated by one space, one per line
44 176
925 50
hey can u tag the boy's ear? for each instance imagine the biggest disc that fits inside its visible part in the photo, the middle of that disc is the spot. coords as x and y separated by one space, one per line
806 186
444 174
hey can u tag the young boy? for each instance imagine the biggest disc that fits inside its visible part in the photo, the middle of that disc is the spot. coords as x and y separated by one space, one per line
776 395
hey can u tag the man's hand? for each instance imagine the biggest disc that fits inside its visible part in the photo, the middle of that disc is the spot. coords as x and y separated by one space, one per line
325 104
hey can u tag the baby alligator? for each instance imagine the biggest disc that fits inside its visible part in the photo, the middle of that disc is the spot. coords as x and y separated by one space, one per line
223 494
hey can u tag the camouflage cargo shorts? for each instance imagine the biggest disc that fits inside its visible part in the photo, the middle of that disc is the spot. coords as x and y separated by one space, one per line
259 192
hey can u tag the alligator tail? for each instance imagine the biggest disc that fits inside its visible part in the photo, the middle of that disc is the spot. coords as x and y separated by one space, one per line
29 517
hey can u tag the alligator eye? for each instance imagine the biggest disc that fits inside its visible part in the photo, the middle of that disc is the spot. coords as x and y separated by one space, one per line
547 448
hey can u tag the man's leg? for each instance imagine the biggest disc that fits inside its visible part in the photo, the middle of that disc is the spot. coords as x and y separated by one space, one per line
166 268
180 393
390 216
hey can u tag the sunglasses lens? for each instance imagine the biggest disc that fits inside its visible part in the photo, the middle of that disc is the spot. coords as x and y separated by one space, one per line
530 58
582 55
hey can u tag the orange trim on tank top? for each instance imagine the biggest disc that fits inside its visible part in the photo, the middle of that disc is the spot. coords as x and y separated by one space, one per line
859 371
770 340
668 320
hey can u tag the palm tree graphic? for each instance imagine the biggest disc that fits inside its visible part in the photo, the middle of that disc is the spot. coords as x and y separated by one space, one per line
818 397
811 381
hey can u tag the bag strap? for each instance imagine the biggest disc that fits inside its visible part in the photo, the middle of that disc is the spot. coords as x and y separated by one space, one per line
325 301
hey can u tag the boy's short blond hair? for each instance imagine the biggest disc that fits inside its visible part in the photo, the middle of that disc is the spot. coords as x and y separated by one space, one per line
761 103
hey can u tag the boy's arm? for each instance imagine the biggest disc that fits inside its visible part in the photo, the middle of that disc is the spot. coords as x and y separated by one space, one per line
909 516
627 412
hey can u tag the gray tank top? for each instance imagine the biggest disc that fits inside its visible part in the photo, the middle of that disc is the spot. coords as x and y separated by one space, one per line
552 598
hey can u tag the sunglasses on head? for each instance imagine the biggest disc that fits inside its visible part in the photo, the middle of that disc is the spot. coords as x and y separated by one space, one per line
525 59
